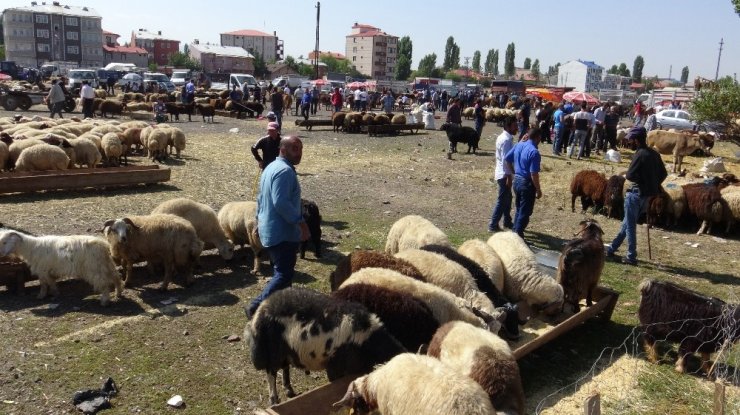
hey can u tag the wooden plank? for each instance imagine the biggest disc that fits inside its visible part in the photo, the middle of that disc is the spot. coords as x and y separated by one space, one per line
74 171
592 405
719 398
317 401
76 180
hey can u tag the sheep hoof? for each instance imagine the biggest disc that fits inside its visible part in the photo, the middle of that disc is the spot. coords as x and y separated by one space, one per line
290 393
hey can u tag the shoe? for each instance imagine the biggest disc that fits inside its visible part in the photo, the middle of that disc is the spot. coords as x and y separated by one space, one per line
509 225
628 261
494 229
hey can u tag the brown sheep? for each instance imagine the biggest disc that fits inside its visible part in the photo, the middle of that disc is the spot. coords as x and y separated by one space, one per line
337 120
111 107
590 186
581 262
358 260
614 197
207 111
703 201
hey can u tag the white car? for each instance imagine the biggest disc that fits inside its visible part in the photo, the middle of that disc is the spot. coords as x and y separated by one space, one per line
677 119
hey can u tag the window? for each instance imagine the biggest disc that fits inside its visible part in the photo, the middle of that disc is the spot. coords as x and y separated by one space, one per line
74 50
70 21
42 33
682 115
669 114
43 47
42 18
354 49
73 35
354 40
354 59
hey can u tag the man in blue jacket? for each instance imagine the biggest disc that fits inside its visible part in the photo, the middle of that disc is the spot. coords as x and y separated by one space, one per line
525 160
280 221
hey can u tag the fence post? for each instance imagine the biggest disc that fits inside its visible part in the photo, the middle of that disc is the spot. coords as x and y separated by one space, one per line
592 405
719 398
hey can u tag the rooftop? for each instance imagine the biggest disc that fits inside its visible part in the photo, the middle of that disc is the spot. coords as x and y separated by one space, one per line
124 49
335 55
145 34
247 32
233 51
370 33
590 64
58 8
107 33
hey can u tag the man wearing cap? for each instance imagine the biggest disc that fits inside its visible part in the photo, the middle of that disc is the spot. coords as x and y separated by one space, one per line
269 144
645 174
280 220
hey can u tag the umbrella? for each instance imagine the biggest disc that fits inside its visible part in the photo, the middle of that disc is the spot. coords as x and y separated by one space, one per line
320 82
355 85
579 97
543 93
5 77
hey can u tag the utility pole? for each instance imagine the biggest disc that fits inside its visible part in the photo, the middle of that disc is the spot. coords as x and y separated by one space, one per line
670 72
721 42
316 49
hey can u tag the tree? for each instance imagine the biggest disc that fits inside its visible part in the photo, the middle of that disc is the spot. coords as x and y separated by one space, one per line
494 63
452 55
637 68
488 65
527 63
403 62
720 105
622 70
685 75
613 70
291 63
509 68
453 76
260 67
181 60
2 52
456 57
427 65
153 67
736 3
536 69
476 61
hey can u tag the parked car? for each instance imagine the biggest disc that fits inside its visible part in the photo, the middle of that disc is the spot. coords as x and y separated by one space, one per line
179 78
76 76
168 85
677 119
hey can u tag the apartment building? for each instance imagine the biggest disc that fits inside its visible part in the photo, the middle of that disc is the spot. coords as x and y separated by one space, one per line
268 46
44 32
371 51
159 47
113 52
221 59
583 76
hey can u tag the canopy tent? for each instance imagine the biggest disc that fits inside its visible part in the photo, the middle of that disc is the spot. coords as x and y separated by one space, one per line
355 85
545 94
580 97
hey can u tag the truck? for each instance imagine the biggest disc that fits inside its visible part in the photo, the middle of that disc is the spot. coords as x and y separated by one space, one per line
292 81
180 76
11 69
666 96
50 69
618 96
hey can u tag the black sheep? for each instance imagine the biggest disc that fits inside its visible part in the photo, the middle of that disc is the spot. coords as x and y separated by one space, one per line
457 134
313 219
255 109
207 111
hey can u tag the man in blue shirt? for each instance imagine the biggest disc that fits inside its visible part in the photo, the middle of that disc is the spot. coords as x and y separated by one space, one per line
525 160
279 218
557 118
190 91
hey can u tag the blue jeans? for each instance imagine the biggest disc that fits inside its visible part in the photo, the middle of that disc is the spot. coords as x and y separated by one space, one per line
525 196
283 257
502 207
279 118
580 138
523 128
633 204
558 139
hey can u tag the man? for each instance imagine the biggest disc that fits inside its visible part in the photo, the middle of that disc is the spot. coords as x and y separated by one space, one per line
315 100
56 99
87 95
651 122
387 102
336 100
582 121
645 175
524 113
363 99
611 121
454 113
443 98
245 92
280 221
524 159
503 175
638 113
298 96
356 102
597 136
190 90
269 144
557 118
479 115
111 84
276 105
306 103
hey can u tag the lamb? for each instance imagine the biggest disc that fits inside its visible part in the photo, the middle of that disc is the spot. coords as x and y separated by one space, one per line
156 143
86 152
53 257
457 134
696 322
483 357
703 201
17 146
590 186
113 149
416 384
239 222
337 120
131 138
398 119
581 263
523 279
4 155
676 203
158 239
413 232
176 140
313 220
360 259
486 258
207 111
42 157
614 197
204 220
468 113
313 331
111 107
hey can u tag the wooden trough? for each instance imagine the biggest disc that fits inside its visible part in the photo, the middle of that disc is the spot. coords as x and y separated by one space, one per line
14 274
319 400
393 129
310 123
20 182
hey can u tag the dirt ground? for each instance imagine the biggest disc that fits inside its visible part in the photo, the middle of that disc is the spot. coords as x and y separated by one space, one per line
156 345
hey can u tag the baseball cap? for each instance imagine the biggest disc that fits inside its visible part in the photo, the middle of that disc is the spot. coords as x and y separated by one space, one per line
271 116
273 126
637 133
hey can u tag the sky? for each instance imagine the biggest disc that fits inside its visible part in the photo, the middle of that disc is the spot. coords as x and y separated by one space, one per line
673 33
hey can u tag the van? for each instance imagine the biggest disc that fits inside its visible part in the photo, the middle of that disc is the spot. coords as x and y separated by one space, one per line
239 79
179 78
76 76
291 81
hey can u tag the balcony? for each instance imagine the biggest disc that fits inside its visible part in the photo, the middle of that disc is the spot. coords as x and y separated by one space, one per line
380 63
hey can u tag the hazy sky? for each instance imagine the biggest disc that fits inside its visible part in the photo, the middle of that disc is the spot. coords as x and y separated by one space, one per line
676 32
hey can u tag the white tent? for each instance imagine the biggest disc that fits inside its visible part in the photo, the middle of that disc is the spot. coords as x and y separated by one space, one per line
125 67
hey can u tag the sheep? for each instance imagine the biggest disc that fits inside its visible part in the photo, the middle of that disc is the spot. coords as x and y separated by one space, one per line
590 186
130 138
523 279
445 306
486 257
337 120
133 124
111 107
176 139
416 384
413 231
52 257
614 197
255 107
239 222
398 119
581 263
42 157
485 358
731 196
457 134
4 155
668 312
207 111
352 122
382 119
17 146
105 129
676 203
86 152
313 331
468 113
156 144
204 220
113 149
360 259
166 239
313 220
703 201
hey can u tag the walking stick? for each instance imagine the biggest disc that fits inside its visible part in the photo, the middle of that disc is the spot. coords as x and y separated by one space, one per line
647 219
255 184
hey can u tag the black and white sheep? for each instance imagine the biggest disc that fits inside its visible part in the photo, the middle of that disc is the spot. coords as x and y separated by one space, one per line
52 257
580 265
416 384
310 330
461 134
413 232
360 259
485 358
486 257
668 312
312 216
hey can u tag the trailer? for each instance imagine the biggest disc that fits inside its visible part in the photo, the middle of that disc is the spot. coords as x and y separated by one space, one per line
11 99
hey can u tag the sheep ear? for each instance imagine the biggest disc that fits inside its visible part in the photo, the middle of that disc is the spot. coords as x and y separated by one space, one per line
349 398
130 223
108 223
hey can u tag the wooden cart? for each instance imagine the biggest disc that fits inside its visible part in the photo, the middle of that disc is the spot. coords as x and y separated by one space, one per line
19 182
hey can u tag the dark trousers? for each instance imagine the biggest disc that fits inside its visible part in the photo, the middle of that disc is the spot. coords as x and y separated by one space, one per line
297 105
525 196
502 207
305 109
597 139
56 108
314 106
611 137
87 107
283 257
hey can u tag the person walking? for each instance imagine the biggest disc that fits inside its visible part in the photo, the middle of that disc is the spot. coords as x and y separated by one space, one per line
651 122
87 95
55 99
387 102
645 175
479 115
276 105
525 158
582 122
524 112
336 100
298 95
363 99
598 139
503 175
306 103
269 145
454 113
356 102
315 100
443 98
639 109
557 118
611 121
279 217
110 84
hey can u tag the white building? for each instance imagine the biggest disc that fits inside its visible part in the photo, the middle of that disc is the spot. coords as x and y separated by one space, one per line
268 46
371 51
583 76
221 59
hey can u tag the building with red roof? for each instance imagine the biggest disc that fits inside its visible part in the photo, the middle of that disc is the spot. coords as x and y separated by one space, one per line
266 45
159 47
372 51
113 52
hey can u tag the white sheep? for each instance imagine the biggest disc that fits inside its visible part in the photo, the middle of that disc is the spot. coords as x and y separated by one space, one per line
417 384
523 279
156 143
486 257
204 220
112 149
17 147
731 196
133 124
411 232
177 141
158 239
42 157
4 155
86 152
239 222
53 257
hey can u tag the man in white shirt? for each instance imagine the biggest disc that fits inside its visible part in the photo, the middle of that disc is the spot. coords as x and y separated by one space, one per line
582 122
363 99
286 91
88 97
356 103
597 136
503 175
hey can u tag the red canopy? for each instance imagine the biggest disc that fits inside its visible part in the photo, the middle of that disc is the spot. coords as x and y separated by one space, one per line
580 97
5 77
355 85
320 82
